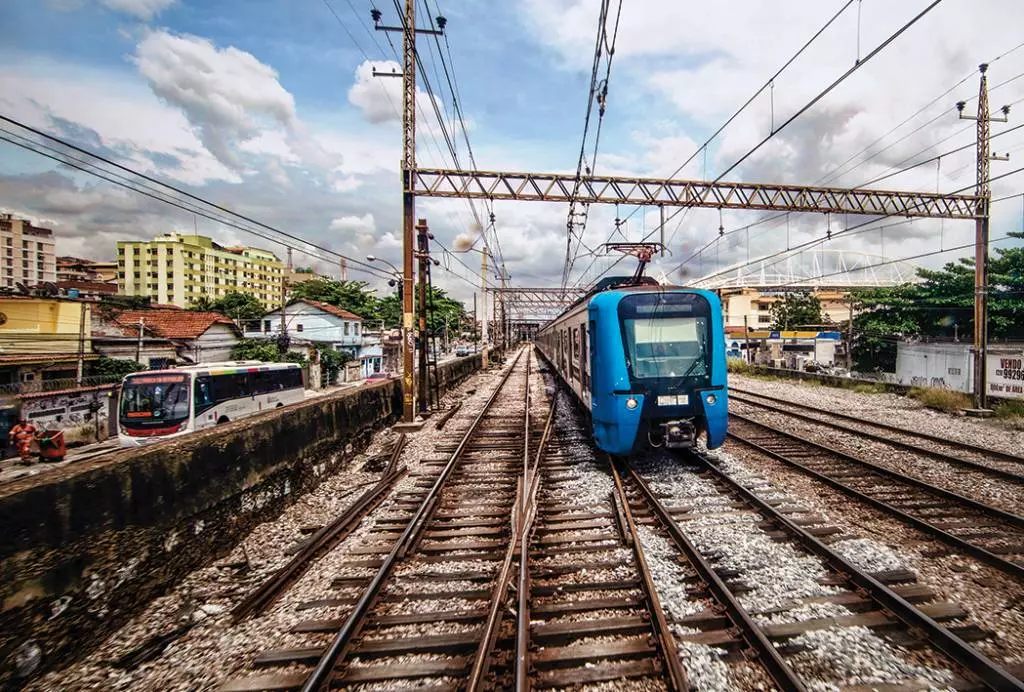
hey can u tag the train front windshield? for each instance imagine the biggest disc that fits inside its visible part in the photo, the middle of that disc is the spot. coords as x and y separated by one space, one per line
666 335
155 400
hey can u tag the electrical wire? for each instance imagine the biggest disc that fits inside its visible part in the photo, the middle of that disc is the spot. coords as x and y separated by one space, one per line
176 190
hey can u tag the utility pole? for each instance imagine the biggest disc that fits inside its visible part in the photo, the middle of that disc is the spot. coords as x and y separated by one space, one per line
408 31
849 339
284 294
984 195
424 259
138 347
344 270
81 343
746 340
483 306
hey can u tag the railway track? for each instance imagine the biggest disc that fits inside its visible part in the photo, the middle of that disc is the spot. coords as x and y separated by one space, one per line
911 614
435 561
987 533
588 611
989 462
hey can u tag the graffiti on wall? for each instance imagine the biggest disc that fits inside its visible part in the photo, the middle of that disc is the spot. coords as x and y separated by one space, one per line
82 415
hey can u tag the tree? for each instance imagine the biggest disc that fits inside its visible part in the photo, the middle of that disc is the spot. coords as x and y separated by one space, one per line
265 350
256 349
203 303
113 367
353 296
941 305
235 305
796 310
331 361
240 306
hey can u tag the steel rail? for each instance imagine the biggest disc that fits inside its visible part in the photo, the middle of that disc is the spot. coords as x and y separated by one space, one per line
978 552
325 665
447 415
1008 517
979 449
667 642
481 661
522 665
271 589
953 646
941 456
776 667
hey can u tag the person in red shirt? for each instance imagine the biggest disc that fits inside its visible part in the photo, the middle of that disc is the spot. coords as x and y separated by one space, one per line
22 435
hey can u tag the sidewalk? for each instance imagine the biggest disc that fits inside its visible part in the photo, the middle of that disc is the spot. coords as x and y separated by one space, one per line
12 468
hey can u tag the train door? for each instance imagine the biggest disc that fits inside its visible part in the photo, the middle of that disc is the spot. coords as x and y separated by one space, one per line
574 361
584 358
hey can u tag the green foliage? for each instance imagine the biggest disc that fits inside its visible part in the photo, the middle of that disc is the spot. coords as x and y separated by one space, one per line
1010 409
203 303
941 399
862 388
941 305
796 310
355 297
331 362
265 350
235 305
113 367
739 366
348 295
256 349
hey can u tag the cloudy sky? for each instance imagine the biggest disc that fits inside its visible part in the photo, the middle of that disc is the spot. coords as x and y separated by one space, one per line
270 108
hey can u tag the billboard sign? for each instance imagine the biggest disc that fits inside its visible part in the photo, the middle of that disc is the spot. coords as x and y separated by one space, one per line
1005 374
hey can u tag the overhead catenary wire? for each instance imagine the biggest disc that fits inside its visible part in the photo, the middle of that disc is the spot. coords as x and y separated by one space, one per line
183 193
825 179
157 195
824 92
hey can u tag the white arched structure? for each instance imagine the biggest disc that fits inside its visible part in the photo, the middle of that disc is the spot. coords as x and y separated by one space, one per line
811 269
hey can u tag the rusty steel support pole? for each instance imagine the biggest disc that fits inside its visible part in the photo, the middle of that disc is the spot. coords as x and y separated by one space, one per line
408 206
421 239
981 248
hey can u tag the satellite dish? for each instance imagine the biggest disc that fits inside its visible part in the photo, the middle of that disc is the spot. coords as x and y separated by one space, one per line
50 288
22 288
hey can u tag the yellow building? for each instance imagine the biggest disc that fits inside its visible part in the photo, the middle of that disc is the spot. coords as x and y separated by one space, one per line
176 269
42 339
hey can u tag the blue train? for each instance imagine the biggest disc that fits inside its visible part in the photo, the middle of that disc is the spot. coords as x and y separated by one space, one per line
647 361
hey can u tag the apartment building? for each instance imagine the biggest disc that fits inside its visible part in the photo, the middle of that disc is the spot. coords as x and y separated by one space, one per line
26 253
177 269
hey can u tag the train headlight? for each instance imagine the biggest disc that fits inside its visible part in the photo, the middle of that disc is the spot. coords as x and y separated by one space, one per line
632 403
711 399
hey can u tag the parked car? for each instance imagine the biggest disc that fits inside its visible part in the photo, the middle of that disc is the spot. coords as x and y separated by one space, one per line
378 377
462 351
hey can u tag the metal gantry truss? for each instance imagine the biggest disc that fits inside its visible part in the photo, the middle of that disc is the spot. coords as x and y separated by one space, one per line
559 187
529 305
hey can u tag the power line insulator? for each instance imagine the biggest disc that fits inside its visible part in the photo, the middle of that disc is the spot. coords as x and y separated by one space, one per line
376 15
442 21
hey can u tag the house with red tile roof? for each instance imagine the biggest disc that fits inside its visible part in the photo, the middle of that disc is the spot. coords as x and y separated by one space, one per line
168 335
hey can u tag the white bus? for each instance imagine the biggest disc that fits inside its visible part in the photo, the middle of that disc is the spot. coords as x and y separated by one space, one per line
158 404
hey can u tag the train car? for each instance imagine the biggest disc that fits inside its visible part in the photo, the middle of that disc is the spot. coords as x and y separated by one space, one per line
648 363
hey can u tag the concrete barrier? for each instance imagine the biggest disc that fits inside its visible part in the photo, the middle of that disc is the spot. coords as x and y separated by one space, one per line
85 547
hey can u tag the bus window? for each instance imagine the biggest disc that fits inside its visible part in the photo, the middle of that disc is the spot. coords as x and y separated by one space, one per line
204 393
147 400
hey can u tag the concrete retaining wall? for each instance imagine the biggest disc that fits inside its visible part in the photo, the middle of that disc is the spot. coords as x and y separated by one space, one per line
85 547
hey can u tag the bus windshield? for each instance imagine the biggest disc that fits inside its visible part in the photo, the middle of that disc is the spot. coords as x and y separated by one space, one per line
155 398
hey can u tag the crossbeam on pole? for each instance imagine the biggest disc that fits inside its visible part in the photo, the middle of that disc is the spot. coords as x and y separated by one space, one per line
559 187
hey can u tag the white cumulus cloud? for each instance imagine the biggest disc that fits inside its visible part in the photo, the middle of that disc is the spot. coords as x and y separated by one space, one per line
143 9
227 94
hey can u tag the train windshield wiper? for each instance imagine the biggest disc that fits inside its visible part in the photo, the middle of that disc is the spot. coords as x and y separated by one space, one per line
696 361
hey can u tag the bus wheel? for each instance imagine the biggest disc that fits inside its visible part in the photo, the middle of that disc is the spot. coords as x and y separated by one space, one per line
279 405
222 420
